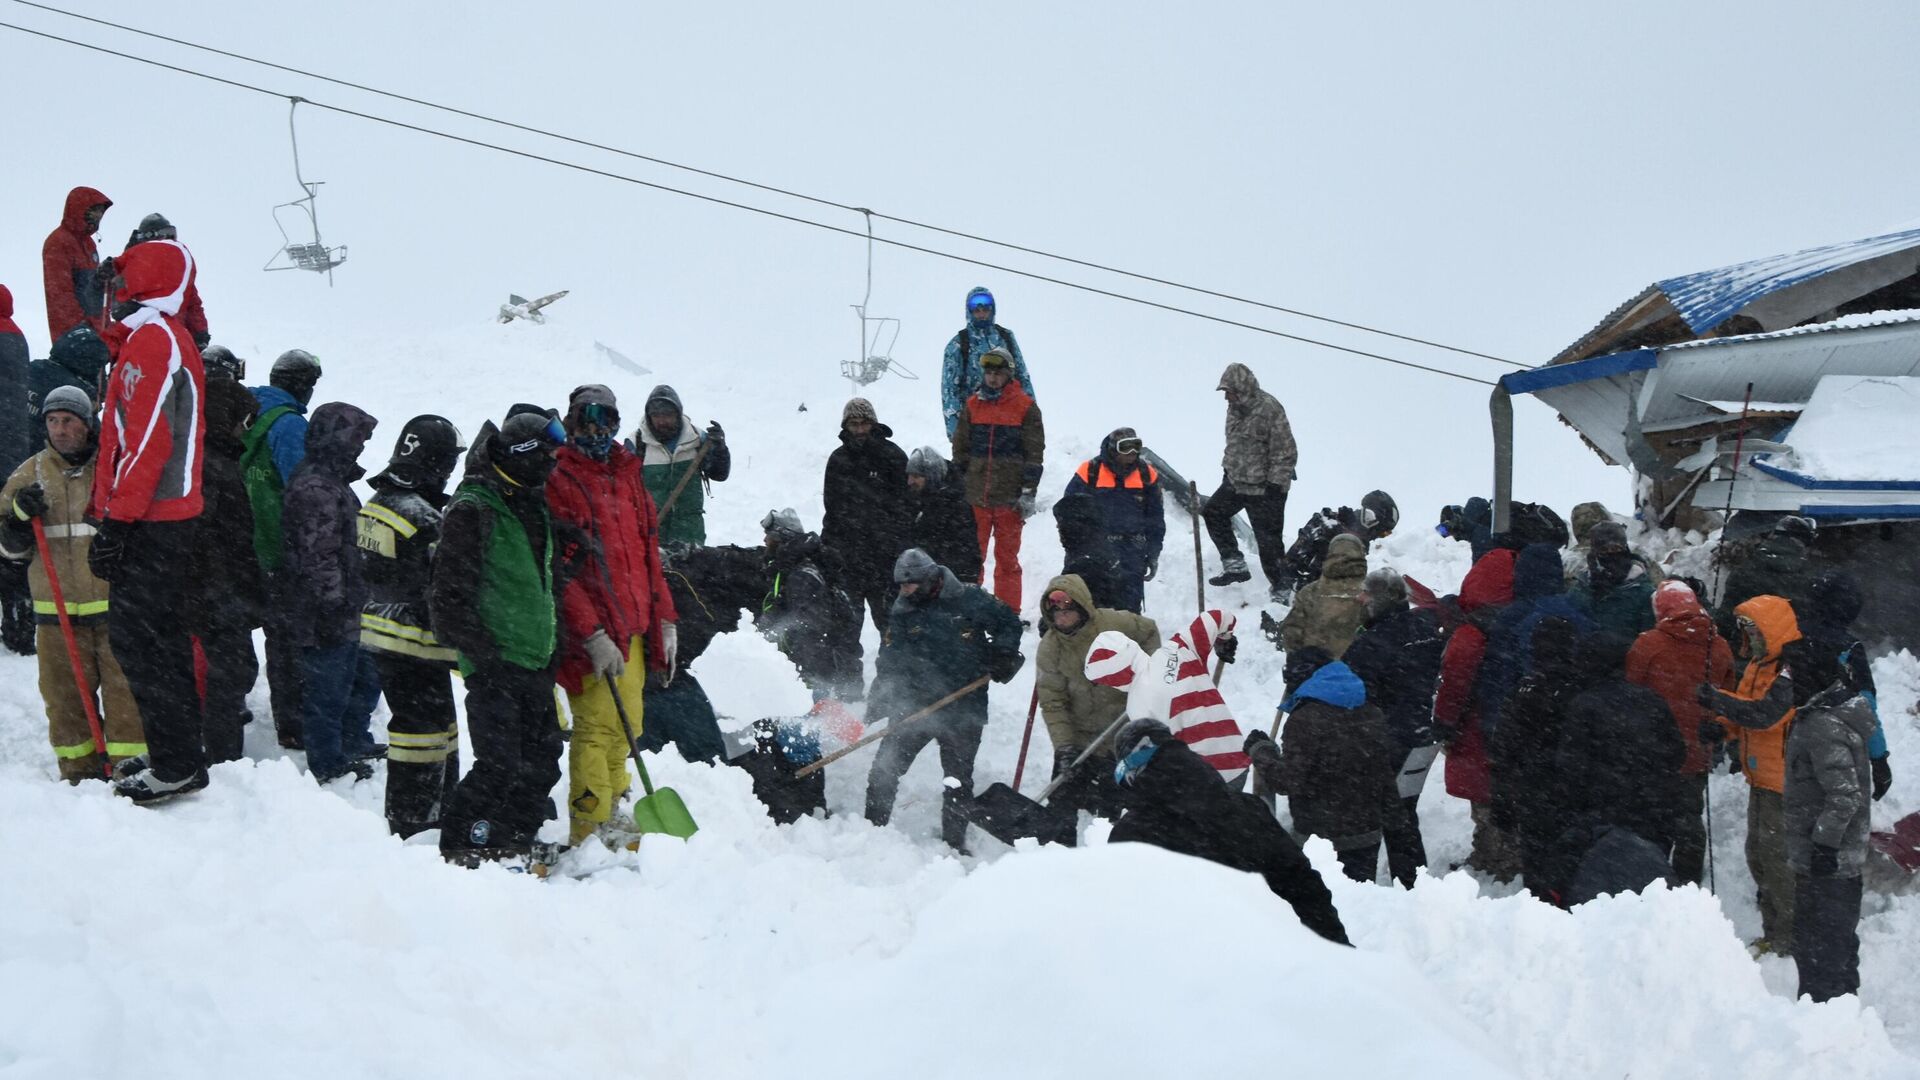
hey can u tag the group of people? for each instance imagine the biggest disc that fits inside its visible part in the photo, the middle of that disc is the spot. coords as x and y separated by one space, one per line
160 511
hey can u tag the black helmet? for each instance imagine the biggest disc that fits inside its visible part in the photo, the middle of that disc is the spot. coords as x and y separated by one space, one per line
220 363
1378 514
152 227
525 446
426 451
295 372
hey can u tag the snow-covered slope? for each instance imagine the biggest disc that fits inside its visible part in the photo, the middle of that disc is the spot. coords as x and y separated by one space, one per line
268 927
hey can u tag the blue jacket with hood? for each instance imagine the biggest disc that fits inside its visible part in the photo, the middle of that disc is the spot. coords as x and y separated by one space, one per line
287 438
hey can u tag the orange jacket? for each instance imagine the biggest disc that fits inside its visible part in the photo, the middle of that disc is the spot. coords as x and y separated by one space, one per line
1759 711
1675 657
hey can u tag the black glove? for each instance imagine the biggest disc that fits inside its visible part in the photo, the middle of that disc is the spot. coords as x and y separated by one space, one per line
109 547
30 502
202 340
714 433
1711 732
1707 696
1063 758
1257 741
1226 647
1882 777
1005 665
1826 861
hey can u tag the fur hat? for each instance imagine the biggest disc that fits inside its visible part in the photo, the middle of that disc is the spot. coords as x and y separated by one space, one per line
859 409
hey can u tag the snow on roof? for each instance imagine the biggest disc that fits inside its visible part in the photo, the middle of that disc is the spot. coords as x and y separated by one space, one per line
1861 321
1857 428
1710 297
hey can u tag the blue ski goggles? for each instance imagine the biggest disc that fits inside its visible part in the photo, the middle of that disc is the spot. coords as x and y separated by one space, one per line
1129 766
979 300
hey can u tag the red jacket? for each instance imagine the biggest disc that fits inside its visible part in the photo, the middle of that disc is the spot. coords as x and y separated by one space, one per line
1682 651
153 423
67 262
618 585
1488 585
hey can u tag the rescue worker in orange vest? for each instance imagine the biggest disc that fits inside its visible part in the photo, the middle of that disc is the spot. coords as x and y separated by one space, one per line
1127 491
998 444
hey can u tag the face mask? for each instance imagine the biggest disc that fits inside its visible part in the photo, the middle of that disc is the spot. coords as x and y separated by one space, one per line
1130 766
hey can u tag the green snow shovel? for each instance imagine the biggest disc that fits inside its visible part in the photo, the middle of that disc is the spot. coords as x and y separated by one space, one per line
660 811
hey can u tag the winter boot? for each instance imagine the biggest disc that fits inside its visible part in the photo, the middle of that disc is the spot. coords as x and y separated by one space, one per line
1232 571
1281 593
353 772
129 766
146 787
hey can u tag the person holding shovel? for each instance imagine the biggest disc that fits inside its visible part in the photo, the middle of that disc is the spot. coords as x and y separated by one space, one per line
1077 709
616 613
942 636
52 486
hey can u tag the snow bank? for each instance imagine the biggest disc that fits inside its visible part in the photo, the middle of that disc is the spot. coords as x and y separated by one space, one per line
1858 427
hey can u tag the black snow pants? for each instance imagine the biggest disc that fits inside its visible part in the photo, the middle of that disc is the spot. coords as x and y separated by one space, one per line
1826 935
147 627
423 741
959 739
1268 514
508 794
232 669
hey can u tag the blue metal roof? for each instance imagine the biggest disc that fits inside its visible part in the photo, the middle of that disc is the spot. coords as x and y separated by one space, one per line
1534 380
1711 297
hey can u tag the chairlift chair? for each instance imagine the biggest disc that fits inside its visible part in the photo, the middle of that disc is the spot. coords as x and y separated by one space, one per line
875 360
313 255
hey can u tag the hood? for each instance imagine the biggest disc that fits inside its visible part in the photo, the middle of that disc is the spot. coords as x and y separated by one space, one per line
1774 617
6 302
1489 583
1675 599
272 397
338 432
156 275
1346 558
663 392
228 403
79 201
1076 588
1538 572
979 290
1780 553
1834 600
1586 516
1333 683
1112 659
1240 379
479 466
644 431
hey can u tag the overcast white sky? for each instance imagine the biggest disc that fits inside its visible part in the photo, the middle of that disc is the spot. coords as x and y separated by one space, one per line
1493 175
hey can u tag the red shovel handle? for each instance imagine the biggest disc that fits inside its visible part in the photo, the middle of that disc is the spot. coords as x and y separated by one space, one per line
1033 706
73 650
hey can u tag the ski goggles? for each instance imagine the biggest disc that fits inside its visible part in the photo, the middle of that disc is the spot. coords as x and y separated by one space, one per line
1130 766
1130 445
1057 600
551 436
979 300
600 416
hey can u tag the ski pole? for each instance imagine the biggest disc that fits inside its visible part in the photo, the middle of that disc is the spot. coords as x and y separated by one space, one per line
1033 706
1726 514
73 648
1199 568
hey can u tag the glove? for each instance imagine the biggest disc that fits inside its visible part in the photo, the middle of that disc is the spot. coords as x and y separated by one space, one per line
1882 777
108 549
670 644
1153 567
1712 733
1826 861
1257 742
105 273
1707 696
1026 504
30 502
605 656
714 433
1004 666
1225 647
1063 757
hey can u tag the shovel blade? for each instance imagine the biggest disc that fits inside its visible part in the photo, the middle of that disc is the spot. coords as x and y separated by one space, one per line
1009 816
663 812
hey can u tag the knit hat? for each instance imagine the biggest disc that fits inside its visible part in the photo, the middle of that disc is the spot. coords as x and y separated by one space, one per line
1585 517
996 357
1386 591
782 522
70 399
929 463
915 566
859 409
591 394
1607 536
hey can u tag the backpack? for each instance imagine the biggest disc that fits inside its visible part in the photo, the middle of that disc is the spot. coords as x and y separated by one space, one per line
264 486
960 391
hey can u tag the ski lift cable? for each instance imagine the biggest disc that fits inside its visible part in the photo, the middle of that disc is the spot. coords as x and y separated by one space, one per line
763 211
772 189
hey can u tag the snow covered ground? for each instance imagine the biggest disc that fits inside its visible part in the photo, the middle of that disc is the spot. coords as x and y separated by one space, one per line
268 927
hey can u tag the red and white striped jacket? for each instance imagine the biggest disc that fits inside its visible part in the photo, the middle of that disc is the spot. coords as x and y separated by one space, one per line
1174 686
152 426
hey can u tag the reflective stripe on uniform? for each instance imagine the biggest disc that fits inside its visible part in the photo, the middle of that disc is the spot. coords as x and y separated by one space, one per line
77 750
390 519
85 607
400 639
68 532
125 749
421 749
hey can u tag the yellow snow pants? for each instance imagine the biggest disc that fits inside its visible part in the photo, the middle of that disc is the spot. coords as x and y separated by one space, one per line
597 755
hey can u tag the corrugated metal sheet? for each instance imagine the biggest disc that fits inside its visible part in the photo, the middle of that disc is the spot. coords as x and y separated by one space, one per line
1711 297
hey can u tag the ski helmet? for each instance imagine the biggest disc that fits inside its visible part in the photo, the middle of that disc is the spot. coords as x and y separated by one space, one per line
426 451
220 363
152 227
295 372
1378 514
526 445
782 524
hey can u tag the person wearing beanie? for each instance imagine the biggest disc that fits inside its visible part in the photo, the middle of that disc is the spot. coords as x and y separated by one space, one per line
808 618
940 522
616 613
53 486
680 464
942 635
867 518
273 447
231 599
961 370
1175 800
1616 589
399 532
999 444
1127 492
492 600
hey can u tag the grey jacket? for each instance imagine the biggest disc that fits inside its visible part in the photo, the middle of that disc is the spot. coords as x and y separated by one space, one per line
1829 784
1260 449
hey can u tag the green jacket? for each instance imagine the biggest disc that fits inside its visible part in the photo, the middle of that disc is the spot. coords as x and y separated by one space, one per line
1076 708
1328 612
511 588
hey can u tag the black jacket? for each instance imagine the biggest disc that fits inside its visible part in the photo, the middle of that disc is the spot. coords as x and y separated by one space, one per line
936 647
323 583
941 524
1775 566
459 563
399 532
807 616
866 521
710 587
1398 656
231 594
1177 802
1524 751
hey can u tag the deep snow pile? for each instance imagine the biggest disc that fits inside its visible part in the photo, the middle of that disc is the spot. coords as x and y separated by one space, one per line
272 927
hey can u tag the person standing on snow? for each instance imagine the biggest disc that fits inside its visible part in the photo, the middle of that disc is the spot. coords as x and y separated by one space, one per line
1000 444
668 445
1458 710
275 445
68 262
1078 710
53 486
325 587
193 314
1826 817
1615 590
961 372
1127 490
866 520
939 521
810 620
1331 609
616 613
1175 801
398 533
1259 462
226 569
146 493
942 635
493 601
